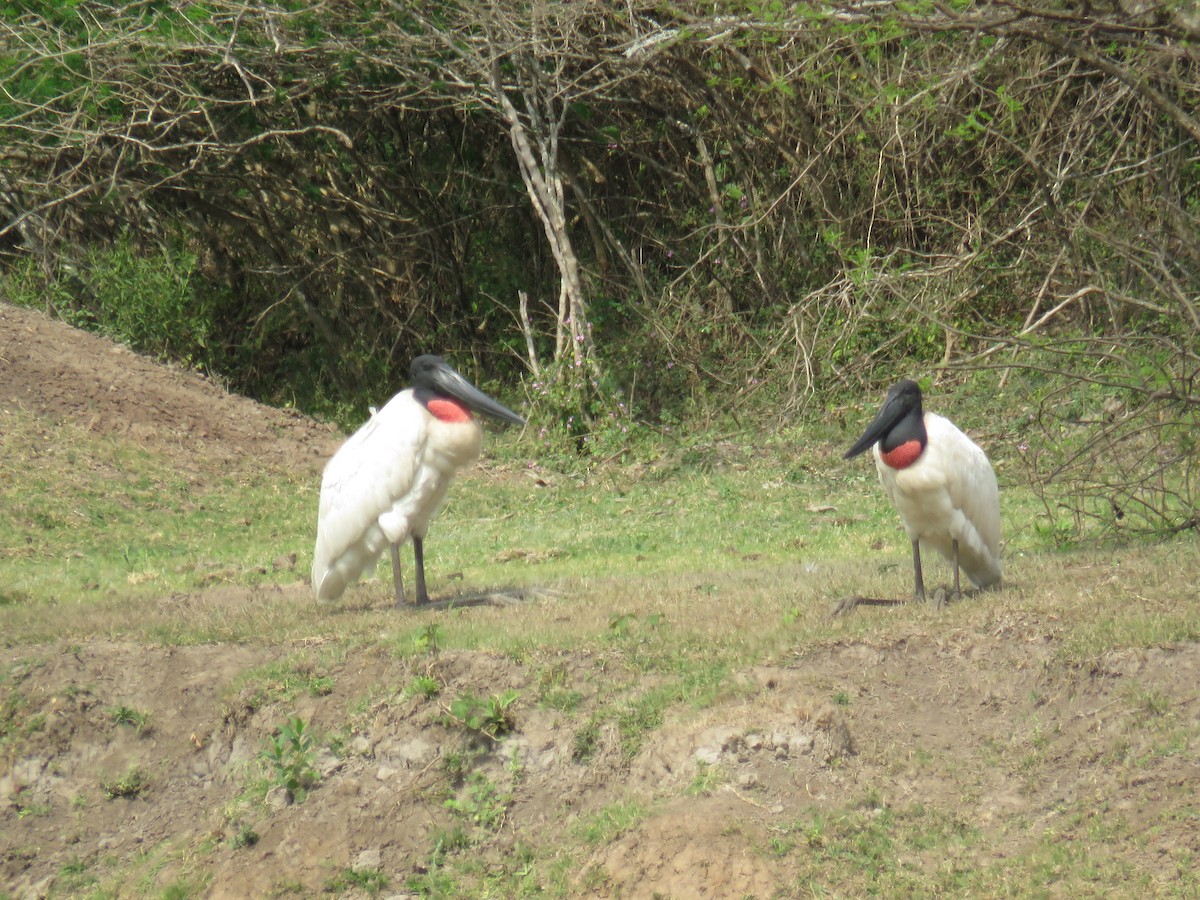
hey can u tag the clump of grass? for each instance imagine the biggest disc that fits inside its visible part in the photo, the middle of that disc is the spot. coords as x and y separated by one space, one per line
184 888
130 717
606 824
425 686
75 875
586 741
370 881
131 784
707 779
554 690
245 836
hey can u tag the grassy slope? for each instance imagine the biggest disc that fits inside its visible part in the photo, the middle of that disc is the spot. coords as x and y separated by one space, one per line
715 559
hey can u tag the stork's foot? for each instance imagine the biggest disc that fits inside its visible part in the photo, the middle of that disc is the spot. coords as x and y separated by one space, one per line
943 597
494 598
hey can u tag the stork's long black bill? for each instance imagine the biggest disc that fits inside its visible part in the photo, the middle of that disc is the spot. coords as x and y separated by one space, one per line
894 409
450 384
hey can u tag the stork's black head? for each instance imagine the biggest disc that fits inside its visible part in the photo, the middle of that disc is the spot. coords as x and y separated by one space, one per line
434 374
899 421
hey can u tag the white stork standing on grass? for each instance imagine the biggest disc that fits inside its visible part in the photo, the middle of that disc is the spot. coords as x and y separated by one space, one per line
388 481
942 485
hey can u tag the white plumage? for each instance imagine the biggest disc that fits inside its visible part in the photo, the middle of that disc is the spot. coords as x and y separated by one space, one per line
389 480
949 494
941 483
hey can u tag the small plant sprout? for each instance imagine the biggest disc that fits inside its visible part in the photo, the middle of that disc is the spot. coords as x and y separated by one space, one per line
290 756
133 718
428 639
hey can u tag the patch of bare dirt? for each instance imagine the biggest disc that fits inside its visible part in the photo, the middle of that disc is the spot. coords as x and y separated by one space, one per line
68 375
960 724
923 724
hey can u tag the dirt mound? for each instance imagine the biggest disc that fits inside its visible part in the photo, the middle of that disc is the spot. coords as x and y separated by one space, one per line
728 800
68 375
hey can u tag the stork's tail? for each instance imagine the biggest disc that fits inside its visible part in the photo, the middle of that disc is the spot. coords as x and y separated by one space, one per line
331 577
980 565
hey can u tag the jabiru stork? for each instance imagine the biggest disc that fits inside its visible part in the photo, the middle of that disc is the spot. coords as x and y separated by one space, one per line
941 484
388 481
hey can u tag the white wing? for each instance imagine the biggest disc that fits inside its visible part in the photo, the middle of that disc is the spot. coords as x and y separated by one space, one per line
374 469
950 494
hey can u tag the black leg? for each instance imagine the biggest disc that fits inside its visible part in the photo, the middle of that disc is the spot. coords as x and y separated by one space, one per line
419 565
396 575
957 592
919 591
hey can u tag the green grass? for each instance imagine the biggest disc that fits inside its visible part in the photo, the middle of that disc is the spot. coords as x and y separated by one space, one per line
372 882
283 680
761 524
603 826
165 529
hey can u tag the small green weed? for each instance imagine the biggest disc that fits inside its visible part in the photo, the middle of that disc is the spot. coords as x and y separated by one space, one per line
435 881
623 625
490 717
320 685
128 716
27 810
428 639
563 699
555 692
245 836
1150 703
780 845
483 803
456 764
131 784
290 756
446 841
